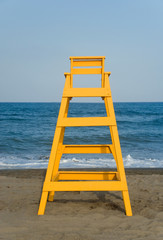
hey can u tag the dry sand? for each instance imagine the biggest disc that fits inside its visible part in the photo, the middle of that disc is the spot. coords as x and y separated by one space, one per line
80 215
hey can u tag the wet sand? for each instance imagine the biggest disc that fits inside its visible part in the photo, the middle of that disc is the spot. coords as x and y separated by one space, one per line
81 215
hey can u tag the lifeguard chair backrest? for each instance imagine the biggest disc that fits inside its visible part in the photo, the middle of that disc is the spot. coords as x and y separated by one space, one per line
87 65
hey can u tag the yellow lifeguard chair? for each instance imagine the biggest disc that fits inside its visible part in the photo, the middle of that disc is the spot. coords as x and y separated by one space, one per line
56 180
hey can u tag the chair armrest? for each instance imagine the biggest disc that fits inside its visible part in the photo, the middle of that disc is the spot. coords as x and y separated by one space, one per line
65 74
108 73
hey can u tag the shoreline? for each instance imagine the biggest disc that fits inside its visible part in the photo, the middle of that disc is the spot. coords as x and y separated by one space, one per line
32 173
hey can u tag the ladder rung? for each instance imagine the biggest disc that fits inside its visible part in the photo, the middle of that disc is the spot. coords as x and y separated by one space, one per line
86 92
101 148
84 186
86 121
85 175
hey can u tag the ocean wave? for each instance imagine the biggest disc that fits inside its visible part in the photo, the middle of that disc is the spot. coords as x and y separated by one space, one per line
14 162
79 162
20 165
27 131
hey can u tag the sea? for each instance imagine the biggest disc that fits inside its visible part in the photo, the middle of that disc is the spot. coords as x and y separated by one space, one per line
27 130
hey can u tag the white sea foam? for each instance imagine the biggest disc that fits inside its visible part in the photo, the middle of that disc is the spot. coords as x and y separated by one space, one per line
13 162
79 162
23 165
129 162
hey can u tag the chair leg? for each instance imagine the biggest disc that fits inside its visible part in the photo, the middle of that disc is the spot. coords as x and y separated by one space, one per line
43 203
127 204
51 196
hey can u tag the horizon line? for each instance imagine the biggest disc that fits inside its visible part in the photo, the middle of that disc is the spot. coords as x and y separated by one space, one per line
85 102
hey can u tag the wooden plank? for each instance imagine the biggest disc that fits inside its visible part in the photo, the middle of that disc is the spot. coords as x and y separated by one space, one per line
76 175
70 149
85 121
84 186
86 92
87 57
90 63
86 71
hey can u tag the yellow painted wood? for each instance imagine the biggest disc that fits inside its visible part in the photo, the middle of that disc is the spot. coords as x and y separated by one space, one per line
84 186
102 74
55 175
85 121
86 63
56 180
85 175
127 204
93 58
107 73
72 149
43 201
86 92
86 71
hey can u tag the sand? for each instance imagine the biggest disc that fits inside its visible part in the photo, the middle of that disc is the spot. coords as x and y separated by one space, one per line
80 215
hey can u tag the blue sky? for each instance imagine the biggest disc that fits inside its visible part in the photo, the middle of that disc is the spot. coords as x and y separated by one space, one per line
38 37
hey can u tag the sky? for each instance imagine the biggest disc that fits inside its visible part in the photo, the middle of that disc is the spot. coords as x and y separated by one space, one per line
38 37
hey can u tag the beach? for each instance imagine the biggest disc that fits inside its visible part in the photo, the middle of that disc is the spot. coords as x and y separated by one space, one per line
80 215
